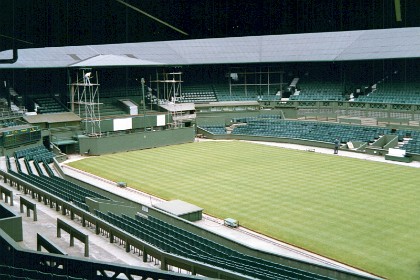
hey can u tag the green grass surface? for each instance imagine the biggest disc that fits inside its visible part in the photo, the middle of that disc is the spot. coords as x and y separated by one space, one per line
359 212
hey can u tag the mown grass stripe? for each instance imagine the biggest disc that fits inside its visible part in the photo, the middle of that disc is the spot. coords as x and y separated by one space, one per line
360 212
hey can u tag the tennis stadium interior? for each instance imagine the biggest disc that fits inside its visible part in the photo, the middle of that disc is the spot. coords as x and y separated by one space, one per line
361 87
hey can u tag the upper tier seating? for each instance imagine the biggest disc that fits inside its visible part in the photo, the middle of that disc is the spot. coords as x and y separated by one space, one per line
401 93
223 93
197 94
316 131
319 91
48 105
108 107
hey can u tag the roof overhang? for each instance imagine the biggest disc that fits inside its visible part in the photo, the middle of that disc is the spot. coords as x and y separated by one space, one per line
107 60
308 47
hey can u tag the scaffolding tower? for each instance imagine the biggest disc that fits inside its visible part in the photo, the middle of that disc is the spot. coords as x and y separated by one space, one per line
169 88
84 94
168 85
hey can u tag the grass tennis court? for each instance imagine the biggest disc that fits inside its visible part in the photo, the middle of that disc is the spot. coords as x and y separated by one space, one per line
359 212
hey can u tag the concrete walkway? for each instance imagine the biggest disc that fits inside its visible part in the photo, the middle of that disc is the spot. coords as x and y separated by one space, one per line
99 246
342 153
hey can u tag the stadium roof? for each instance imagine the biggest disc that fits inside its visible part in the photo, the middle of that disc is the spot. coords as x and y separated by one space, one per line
308 47
114 60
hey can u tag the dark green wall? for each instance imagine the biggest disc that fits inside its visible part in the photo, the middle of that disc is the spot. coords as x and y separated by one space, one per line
138 122
135 141
11 223
118 207
107 125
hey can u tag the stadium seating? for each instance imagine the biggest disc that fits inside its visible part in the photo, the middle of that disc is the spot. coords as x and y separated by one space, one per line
197 94
268 98
20 135
38 168
315 131
48 105
405 93
38 153
214 129
413 145
180 242
319 91
7 123
223 93
55 185
401 93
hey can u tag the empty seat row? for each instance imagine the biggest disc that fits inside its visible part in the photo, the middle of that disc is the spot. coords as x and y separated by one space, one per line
55 185
49 105
35 153
324 132
214 129
181 242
